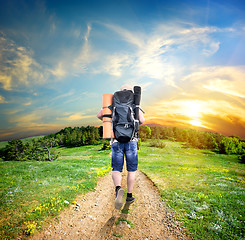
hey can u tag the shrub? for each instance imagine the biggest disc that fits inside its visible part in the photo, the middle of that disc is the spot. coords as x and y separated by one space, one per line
242 158
106 145
144 132
157 143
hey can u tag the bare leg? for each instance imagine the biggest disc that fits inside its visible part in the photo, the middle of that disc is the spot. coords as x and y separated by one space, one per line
130 181
117 178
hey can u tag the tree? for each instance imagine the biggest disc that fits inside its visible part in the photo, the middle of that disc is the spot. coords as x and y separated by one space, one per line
14 151
47 144
144 132
39 150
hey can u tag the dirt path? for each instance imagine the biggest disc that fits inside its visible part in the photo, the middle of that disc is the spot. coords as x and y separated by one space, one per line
94 216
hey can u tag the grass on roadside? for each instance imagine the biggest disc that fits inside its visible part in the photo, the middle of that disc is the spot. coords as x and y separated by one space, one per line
32 193
206 190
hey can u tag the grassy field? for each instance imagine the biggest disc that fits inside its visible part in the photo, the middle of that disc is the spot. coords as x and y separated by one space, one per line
206 190
31 193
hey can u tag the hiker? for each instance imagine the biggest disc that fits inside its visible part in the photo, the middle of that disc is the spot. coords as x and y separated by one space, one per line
119 150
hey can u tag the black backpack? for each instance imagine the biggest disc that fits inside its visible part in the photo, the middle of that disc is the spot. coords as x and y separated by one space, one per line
123 116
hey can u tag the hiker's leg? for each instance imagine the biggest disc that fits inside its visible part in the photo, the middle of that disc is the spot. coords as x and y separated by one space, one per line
130 181
132 164
117 161
117 178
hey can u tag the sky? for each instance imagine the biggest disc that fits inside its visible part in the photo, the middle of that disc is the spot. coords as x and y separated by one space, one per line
57 59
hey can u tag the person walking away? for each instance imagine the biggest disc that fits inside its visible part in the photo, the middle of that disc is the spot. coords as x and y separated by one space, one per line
119 150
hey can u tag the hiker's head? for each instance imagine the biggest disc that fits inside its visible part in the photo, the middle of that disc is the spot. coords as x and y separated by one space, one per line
126 87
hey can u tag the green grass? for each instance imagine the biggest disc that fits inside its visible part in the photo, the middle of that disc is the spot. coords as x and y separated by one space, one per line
206 190
124 220
32 193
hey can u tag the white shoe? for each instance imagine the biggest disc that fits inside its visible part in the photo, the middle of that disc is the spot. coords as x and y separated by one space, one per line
119 199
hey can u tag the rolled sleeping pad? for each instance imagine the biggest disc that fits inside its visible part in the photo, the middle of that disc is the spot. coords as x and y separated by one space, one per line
107 116
137 96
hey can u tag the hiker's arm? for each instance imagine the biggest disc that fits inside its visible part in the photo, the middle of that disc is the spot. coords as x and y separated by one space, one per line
100 114
141 117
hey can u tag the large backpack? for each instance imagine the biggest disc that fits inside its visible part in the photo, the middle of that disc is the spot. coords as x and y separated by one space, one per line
123 119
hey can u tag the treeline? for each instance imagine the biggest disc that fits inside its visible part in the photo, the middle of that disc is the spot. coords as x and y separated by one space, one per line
78 136
196 139
41 149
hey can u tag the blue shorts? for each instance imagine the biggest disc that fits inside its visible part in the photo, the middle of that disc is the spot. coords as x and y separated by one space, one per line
128 149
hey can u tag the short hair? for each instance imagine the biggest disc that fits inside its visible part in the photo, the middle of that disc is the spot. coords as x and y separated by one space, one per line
126 87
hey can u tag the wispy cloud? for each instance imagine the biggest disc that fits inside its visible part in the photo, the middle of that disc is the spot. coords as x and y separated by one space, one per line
17 66
135 38
226 80
26 119
2 99
116 64
59 70
74 117
84 55
157 54
75 62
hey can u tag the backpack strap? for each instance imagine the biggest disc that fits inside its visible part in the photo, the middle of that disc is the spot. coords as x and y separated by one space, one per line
107 115
112 115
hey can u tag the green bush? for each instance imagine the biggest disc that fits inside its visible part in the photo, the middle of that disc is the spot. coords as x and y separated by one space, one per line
144 132
106 145
157 143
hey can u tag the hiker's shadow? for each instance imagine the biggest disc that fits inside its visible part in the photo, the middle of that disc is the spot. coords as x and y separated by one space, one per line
105 231
125 210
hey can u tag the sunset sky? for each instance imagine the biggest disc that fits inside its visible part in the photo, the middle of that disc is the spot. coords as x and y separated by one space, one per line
57 58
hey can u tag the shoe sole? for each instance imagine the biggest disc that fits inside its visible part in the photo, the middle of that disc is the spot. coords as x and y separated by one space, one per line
119 199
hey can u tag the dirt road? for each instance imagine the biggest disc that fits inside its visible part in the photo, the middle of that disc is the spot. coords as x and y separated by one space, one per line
94 216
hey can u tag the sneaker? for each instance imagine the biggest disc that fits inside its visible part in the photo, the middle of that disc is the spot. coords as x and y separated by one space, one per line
119 199
130 199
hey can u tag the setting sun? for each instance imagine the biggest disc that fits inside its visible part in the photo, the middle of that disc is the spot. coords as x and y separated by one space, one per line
192 108
196 123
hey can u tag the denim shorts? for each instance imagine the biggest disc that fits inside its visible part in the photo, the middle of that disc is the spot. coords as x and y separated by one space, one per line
128 149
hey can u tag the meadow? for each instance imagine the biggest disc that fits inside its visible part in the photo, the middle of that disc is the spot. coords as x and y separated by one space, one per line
205 190
32 192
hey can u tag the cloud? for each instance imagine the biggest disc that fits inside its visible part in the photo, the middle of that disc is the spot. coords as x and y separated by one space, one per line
226 80
17 66
27 131
73 117
84 56
116 64
2 99
59 71
31 117
27 103
159 54
26 119
210 97
75 61
184 112
135 38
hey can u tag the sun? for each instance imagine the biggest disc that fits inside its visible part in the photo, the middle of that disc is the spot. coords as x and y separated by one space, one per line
196 123
193 110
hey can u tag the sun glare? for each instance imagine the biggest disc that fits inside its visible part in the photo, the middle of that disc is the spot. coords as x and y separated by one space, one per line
193 109
196 123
